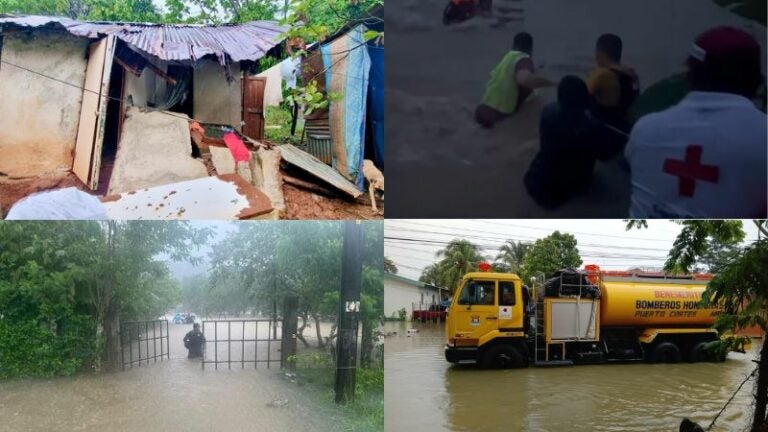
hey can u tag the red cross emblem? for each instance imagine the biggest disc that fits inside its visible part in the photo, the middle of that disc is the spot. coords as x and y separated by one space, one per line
691 169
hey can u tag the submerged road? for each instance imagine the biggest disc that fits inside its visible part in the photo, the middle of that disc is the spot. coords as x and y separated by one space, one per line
166 395
425 393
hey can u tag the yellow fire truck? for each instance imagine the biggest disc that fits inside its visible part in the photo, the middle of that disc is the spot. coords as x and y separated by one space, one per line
579 316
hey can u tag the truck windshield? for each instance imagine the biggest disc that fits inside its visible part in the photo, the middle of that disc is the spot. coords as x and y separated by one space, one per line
478 293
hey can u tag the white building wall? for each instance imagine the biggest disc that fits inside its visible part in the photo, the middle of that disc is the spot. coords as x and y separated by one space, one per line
401 295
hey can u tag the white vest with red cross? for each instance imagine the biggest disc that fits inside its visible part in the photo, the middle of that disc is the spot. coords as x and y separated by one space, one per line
703 158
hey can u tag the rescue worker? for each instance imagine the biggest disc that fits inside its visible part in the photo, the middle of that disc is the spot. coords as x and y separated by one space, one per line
706 156
570 142
193 341
613 87
512 81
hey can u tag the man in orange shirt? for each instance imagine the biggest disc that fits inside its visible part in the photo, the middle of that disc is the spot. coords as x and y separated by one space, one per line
613 86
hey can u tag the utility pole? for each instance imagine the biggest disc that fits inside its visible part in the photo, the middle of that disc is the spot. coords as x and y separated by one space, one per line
349 311
290 327
274 301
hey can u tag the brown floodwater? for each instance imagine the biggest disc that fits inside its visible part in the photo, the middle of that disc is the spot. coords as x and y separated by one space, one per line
168 395
425 393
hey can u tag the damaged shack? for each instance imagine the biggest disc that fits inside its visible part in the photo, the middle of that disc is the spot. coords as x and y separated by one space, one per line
113 108
349 64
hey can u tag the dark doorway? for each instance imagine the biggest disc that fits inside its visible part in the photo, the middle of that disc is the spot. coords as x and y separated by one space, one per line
186 104
113 127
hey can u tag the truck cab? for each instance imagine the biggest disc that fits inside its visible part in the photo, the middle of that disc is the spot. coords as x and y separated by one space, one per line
486 321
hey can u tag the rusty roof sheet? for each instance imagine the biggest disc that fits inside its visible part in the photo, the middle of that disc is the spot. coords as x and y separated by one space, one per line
228 42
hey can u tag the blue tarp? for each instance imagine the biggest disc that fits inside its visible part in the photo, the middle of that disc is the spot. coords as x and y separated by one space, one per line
354 74
376 101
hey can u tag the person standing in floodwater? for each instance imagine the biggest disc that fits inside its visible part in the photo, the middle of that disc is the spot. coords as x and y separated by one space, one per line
193 341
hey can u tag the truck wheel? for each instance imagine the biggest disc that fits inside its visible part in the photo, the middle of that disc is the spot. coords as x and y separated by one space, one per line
503 357
700 353
666 352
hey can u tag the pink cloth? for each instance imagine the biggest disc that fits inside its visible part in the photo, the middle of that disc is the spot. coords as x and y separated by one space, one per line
235 145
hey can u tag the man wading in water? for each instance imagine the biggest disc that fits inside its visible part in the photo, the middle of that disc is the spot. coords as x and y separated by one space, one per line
194 341
512 81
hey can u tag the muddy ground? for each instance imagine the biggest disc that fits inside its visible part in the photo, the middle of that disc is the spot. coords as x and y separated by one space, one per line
301 204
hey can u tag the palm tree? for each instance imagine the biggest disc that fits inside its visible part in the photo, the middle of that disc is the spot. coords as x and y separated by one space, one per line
511 255
459 258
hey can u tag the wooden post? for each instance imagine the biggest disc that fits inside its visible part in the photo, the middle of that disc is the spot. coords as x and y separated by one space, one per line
290 324
349 311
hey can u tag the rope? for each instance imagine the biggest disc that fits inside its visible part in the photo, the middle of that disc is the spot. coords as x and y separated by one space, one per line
81 88
732 396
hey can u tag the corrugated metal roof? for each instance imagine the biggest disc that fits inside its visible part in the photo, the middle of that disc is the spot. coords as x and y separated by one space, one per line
307 162
249 41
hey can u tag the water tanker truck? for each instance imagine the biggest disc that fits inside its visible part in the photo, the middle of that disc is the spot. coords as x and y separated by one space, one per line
579 317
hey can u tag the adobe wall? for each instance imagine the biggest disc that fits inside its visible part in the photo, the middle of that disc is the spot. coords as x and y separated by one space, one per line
39 116
215 101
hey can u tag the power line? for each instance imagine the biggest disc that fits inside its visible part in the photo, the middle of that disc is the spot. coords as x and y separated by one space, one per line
529 242
82 88
506 236
584 253
106 96
550 230
573 232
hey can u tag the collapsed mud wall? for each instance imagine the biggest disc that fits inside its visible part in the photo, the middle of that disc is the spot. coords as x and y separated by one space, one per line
39 116
215 101
154 150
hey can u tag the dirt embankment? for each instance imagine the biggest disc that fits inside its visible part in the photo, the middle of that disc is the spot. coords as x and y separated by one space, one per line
300 204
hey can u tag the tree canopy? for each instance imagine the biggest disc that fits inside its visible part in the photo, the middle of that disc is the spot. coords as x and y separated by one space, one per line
457 258
740 286
63 281
327 16
549 254
256 266
511 256
546 255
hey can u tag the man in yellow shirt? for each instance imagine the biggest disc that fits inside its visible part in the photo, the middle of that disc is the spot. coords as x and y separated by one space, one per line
613 86
512 81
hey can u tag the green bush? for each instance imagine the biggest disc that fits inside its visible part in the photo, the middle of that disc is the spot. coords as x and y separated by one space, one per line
30 349
277 120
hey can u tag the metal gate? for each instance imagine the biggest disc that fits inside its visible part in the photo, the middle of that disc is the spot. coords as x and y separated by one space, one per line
139 342
242 342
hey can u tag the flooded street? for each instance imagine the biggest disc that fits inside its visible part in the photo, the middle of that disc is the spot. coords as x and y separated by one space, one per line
173 394
424 392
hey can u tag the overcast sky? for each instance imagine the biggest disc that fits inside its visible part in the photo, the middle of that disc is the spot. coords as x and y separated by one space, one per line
220 229
412 244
